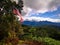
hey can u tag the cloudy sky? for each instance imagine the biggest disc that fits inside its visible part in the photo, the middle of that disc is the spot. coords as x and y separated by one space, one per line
41 10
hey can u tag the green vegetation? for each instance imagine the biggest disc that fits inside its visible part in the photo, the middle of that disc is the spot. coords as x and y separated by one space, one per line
13 33
48 35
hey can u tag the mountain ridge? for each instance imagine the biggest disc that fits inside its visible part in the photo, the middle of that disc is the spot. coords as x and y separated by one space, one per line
40 23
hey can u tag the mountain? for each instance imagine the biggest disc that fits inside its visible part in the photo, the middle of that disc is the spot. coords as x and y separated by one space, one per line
40 23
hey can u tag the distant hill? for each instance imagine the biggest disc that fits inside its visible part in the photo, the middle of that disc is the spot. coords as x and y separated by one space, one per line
40 23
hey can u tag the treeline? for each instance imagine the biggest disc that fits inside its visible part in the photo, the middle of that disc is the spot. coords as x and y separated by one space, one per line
47 35
43 31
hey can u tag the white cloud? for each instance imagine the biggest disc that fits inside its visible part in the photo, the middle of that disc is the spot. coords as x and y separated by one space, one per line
40 19
26 9
42 5
15 1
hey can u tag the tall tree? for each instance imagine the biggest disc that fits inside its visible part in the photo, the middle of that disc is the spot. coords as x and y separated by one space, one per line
9 25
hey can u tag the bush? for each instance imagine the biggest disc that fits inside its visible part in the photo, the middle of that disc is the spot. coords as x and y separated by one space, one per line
48 41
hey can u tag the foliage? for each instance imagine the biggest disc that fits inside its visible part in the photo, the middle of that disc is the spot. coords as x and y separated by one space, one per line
13 33
10 28
48 35
47 40
6 6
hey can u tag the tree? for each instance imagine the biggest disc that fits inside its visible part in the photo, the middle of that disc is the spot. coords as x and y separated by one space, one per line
9 25
6 6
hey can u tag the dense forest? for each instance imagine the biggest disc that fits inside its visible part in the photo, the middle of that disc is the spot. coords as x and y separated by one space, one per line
12 32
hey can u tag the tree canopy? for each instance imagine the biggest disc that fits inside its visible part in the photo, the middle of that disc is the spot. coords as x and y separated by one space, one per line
6 6
10 28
